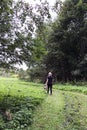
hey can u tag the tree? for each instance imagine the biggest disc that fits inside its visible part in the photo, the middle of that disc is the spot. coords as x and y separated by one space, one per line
67 48
5 26
18 21
39 53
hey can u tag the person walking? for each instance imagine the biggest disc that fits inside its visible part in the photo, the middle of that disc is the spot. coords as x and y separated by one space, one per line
49 82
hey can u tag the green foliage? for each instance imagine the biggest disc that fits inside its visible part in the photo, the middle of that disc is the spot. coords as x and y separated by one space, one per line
38 74
5 72
19 21
51 111
40 41
21 110
67 48
63 110
73 88
38 70
18 99
72 111
24 75
6 15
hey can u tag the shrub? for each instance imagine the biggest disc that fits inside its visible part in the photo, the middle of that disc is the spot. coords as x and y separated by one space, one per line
21 110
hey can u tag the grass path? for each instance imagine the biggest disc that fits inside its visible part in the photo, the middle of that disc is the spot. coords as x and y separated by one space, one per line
61 111
49 115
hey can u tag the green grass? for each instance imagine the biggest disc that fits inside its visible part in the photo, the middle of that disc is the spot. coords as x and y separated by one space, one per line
32 109
16 87
19 99
73 88
75 111
49 115
61 111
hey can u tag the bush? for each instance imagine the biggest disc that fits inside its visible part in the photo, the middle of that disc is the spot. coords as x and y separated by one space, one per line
21 110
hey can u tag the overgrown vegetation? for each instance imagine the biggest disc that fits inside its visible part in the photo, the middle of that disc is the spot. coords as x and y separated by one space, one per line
18 99
74 117
73 88
62 111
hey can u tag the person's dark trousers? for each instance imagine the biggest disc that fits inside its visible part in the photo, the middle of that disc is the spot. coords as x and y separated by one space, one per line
49 88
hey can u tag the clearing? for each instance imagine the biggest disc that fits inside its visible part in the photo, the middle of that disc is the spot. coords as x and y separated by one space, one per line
32 109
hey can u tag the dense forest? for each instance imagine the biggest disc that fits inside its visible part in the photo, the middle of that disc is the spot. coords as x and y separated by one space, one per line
29 34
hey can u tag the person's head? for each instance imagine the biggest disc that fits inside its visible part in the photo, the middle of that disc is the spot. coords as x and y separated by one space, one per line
49 74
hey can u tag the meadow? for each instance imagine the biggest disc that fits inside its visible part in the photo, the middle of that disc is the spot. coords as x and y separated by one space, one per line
18 99
74 88
26 106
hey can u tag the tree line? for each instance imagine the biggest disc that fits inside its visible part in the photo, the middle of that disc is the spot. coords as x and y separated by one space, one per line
58 45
